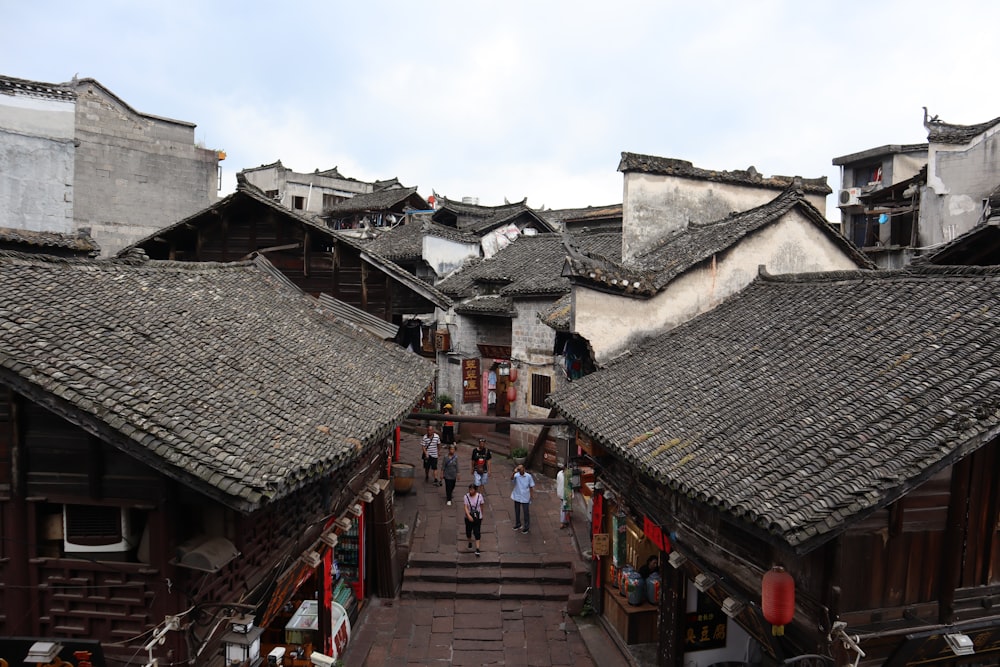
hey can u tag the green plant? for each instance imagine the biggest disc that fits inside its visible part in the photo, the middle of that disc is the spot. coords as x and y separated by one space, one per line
444 399
518 453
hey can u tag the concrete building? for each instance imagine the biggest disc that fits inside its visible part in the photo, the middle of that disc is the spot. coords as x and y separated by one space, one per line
898 202
75 157
313 193
887 174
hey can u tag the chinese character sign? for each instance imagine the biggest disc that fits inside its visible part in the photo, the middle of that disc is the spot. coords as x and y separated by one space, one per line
471 390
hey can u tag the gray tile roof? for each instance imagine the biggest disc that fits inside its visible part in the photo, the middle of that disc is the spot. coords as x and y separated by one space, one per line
479 219
406 242
557 315
487 304
939 132
27 241
11 86
531 265
649 273
219 375
807 401
389 267
651 164
559 217
382 200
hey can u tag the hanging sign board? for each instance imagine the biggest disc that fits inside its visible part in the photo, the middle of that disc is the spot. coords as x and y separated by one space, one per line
471 390
602 546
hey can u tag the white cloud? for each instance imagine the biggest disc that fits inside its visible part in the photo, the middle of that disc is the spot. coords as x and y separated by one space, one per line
526 99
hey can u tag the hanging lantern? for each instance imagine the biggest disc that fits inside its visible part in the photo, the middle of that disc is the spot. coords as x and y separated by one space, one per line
777 599
513 373
511 393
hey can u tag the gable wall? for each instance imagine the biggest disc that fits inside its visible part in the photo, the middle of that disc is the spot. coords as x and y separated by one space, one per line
658 206
445 256
958 179
36 163
135 174
612 322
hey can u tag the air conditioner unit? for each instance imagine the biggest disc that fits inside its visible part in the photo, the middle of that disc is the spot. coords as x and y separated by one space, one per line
98 529
849 197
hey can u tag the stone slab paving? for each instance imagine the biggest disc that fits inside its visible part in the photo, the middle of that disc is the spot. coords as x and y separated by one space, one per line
478 628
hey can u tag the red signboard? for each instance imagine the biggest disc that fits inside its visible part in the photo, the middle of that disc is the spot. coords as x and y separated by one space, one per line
471 389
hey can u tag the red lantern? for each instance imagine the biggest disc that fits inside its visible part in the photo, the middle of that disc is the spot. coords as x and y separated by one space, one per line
777 599
513 374
511 393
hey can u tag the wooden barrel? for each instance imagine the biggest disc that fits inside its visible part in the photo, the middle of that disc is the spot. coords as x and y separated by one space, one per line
402 477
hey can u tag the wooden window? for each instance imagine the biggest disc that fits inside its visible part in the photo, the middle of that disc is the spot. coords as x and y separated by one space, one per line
298 203
271 194
541 386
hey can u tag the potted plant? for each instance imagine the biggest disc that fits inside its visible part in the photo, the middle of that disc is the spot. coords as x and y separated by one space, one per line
519 454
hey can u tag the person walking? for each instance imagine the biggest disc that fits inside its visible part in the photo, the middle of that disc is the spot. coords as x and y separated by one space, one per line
473 516
482 463
430 444
564 489
449 471
521 495
448 430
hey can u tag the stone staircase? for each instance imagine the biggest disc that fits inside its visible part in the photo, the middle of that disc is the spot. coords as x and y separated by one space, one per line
490 577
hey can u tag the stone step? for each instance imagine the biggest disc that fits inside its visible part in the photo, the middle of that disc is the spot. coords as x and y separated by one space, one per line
483 591
465 559
491 574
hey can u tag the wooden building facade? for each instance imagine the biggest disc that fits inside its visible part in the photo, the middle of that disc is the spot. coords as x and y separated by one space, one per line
185 450
316 259
842 426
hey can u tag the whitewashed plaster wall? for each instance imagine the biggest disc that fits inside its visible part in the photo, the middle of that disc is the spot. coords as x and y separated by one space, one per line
445 256
657 206
613 323
959 178
37 155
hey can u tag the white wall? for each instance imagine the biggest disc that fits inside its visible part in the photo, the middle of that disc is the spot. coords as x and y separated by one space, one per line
658 206
445 256
959 177
36 163
612 323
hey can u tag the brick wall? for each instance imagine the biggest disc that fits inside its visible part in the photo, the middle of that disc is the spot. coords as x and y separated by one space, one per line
135 174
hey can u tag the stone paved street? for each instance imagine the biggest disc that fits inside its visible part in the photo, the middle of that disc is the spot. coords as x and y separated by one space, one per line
453 624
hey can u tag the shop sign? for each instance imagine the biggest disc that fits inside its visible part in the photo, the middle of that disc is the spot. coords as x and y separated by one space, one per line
471 389
706 628
602 546
497 352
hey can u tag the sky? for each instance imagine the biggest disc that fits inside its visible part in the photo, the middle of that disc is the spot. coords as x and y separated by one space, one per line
514 100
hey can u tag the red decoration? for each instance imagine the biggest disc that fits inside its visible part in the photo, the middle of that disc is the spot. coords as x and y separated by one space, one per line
513 374
511 393
655 534
777 599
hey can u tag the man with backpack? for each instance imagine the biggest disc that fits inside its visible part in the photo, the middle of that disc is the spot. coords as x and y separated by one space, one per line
481 464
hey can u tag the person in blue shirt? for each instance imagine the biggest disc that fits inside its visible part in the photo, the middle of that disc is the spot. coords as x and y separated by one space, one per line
521 495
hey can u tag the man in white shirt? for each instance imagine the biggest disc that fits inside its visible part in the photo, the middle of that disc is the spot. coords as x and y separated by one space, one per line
430 444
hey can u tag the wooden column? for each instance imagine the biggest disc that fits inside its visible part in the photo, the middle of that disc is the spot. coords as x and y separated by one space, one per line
670 649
